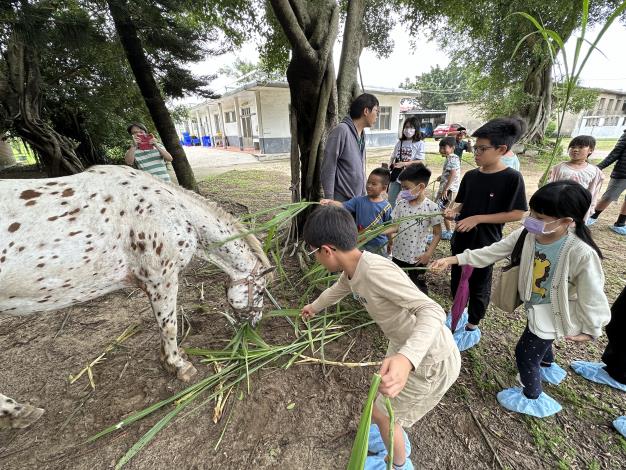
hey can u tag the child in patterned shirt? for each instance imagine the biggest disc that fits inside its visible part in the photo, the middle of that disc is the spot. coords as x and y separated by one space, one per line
578 169
449 180
410 248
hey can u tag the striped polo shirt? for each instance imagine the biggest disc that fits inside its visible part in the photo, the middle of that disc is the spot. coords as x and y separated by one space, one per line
152 162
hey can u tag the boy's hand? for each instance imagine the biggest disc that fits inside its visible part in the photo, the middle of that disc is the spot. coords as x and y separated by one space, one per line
330 202
468 223
581 338
424 258
442 263
450 214
307 312
394 374
153 141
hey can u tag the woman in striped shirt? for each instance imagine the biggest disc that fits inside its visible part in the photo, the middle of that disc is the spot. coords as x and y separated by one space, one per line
150 158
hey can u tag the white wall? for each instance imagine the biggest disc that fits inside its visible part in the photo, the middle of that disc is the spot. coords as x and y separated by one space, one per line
465 114
275 112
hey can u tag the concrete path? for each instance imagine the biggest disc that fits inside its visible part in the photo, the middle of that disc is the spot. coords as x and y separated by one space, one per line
207 161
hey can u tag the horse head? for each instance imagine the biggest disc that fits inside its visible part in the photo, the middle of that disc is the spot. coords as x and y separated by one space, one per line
245 295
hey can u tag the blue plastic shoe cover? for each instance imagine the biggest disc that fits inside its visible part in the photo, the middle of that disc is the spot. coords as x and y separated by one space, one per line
554 374
466 339
461 323
620 425
513 399
595 372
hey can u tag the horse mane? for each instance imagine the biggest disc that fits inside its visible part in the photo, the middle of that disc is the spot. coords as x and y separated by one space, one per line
252 241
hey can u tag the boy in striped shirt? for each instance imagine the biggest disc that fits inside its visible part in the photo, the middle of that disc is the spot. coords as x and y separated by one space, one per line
151 160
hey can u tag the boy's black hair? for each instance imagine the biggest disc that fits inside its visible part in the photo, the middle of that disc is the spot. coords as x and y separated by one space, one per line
415 173
416 125
383 174
461 128
449 141
360 103
501 131
136 124
583 141
331 225
562 199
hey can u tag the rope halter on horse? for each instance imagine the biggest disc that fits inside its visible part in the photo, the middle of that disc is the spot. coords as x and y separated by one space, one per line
250 281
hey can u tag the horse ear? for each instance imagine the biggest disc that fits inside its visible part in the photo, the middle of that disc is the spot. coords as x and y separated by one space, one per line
267 271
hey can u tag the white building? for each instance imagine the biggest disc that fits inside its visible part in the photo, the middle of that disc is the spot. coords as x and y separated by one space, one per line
255 117
607 120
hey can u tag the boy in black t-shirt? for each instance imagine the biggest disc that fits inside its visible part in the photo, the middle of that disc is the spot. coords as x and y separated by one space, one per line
489 196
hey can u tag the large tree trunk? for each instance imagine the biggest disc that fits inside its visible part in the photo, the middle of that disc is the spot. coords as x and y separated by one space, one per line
536 114
71 123
311 28
354 41
129 37
20 104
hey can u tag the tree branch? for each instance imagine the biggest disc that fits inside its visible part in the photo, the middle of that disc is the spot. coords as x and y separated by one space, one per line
320 119
295 35
331 37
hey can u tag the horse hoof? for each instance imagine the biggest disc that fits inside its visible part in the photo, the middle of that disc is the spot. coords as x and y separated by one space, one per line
186 372
23 418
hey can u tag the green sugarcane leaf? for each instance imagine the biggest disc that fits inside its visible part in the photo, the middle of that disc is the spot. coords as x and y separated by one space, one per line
359 448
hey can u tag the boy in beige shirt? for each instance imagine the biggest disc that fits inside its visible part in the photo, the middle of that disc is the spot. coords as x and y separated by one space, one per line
422 359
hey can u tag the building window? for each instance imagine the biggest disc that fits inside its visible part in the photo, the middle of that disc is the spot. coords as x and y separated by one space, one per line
383 123
624 123
618 105
601 105
609 107
592 122
229 116
624 107
611 121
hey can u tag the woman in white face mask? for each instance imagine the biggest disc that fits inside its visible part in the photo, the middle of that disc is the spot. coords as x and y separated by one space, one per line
409 149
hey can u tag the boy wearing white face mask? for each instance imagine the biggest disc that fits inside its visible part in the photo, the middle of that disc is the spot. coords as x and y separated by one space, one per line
409 246
409 149
561 284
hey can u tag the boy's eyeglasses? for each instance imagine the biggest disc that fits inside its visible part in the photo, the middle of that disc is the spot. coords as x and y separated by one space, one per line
482 148
313 251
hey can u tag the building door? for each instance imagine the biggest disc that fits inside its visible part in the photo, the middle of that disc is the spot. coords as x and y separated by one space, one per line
246 128
218 130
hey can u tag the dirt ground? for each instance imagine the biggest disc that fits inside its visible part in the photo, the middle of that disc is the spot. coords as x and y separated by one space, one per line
468 429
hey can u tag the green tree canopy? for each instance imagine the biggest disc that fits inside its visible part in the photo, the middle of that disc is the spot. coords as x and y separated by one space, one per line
440 86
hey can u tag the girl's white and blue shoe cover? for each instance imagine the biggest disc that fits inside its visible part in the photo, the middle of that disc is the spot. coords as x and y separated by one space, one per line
554 374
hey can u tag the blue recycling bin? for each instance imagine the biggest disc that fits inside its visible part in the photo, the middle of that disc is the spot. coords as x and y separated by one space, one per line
195 141
206 141
186 138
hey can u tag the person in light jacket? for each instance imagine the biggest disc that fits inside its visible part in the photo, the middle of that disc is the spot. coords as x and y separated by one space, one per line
560 282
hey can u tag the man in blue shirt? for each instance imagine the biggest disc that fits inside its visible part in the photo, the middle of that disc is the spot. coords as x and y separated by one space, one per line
462 145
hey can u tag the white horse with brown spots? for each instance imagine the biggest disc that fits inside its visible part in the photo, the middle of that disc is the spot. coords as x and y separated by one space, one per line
72 239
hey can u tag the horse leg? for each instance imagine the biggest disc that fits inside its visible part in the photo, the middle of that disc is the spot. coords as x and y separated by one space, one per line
164 307
16 415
